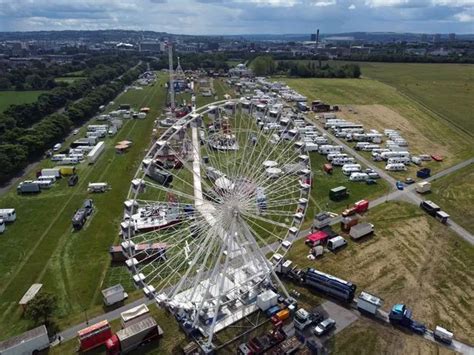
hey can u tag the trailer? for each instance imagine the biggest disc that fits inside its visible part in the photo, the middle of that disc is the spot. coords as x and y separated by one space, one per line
321 220
51 172
368 303
442 216
396 167
133 336
338 193
443 335
430 207
27 187
358 177
114 294
330 285
361 230
8 214
94 154
423 187
31 342
97 187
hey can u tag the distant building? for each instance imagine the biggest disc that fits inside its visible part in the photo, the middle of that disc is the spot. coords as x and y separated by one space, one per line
240 70
437 38
424 37
312 37
151 46
452 36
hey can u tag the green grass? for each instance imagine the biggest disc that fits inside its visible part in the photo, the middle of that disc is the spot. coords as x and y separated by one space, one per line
453 193
456 144
447 89
41 247
8 98
68 79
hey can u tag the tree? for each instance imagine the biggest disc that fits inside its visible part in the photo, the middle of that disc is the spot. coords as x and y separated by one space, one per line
5 84
41 308
263 65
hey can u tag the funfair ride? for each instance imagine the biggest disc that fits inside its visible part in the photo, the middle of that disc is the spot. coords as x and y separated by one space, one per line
221 198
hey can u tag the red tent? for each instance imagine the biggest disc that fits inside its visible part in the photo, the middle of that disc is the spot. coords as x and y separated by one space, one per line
316 238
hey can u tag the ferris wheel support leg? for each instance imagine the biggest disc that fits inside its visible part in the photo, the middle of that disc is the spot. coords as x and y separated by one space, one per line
266 262
221 290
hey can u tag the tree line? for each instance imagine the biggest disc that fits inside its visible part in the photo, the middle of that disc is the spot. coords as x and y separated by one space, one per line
266 65
23 140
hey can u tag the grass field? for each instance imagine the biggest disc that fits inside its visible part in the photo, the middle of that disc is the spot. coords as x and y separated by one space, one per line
368 338
411 259
41 246
454 193
68 79
380 106
8 98
446 89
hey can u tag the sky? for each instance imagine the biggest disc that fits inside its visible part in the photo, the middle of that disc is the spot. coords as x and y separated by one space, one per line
240 16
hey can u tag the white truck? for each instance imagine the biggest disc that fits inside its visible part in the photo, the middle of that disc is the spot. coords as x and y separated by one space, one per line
423 187
31 342
361 230
369 303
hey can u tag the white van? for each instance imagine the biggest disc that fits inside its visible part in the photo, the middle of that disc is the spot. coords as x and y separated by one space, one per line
47 178
336 243
57 147
395 167
358 177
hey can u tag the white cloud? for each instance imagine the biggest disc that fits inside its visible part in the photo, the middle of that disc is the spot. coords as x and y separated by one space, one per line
352 7
272 3
464 17
324 3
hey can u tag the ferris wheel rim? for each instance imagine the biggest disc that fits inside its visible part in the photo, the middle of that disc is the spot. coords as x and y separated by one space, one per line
171 132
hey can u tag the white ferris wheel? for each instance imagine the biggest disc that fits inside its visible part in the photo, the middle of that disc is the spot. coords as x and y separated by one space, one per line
222 190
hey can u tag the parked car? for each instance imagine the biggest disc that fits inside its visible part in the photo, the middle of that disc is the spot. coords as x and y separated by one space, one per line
324 327
409 181
76 131
88 206
371 182
400 185
73 179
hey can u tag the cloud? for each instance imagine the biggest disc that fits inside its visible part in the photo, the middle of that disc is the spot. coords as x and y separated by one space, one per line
239 16
324 3
464 17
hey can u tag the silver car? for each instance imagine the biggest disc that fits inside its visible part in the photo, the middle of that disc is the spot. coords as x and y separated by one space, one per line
324 327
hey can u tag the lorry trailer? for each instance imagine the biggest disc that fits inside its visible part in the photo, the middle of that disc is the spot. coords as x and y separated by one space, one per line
369 303
133 336
361 230
94 335
330 285
31 342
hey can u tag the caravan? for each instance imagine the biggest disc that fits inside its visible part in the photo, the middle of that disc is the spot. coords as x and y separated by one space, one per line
398 160
396 167
370 147
326 149
332 156
348 169
358 177
392 154
343 161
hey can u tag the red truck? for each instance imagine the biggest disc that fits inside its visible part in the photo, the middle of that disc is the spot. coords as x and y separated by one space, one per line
359 207
94 336
133 336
